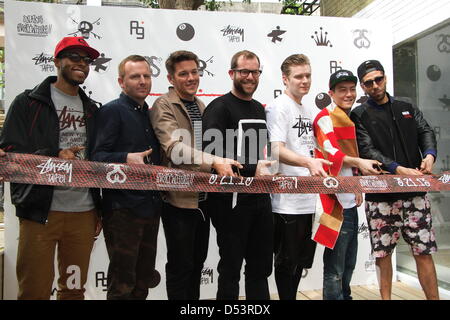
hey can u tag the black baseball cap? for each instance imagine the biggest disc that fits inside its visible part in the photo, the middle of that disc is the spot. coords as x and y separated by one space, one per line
341 76
369 66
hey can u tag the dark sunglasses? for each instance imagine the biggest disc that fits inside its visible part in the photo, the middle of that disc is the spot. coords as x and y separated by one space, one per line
369 83
75 57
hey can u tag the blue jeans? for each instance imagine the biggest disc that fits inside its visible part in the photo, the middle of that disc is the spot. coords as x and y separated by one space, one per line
338 264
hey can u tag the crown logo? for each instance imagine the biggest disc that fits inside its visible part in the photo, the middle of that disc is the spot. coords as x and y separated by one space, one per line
321 40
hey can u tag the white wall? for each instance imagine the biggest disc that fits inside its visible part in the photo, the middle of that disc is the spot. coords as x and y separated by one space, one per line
408 17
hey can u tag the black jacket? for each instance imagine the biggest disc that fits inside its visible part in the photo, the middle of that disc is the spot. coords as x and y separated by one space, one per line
32 126
394 134
123 128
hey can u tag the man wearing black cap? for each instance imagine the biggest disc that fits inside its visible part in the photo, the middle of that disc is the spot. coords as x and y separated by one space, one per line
55 119
336 142
396 134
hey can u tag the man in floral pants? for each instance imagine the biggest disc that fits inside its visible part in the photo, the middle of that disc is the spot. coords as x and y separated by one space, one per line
396 134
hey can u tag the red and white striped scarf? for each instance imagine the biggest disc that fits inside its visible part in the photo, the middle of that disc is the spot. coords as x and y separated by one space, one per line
336 138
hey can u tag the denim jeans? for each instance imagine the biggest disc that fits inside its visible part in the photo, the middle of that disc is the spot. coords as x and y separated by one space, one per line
338 264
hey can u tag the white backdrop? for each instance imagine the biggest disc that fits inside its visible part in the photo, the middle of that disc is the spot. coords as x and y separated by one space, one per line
33 29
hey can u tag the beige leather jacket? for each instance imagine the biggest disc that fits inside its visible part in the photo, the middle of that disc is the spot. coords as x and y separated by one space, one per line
172 125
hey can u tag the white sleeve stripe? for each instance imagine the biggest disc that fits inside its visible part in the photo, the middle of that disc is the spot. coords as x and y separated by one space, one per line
325 124
329 148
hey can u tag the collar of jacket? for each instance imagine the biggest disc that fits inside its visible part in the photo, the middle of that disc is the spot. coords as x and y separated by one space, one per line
42 91
131 103
372 102
174 98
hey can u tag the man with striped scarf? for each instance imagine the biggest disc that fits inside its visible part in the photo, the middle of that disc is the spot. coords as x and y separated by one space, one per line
337 227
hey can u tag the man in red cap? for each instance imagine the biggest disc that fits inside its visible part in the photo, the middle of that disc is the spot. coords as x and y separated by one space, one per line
55 119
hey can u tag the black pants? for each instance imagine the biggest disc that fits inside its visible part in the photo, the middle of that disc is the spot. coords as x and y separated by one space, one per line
131 243
187 239
294 251
245 232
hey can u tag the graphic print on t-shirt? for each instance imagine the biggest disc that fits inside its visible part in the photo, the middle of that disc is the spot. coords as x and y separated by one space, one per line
72 122
304 126
72 128
68 117
305 133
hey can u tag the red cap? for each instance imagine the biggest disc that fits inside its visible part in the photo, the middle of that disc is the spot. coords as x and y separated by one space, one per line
75 43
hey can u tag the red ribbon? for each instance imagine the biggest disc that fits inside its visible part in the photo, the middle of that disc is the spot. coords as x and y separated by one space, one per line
33 169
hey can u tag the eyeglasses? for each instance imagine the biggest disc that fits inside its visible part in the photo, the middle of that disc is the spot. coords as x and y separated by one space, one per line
245 72
369 83
75 57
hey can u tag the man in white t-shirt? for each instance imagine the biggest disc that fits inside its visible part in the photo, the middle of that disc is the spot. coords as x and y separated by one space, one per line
292 142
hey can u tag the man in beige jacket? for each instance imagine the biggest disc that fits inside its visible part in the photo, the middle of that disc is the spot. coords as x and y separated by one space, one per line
176 118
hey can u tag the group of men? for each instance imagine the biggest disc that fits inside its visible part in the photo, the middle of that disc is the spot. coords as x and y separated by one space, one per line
382 135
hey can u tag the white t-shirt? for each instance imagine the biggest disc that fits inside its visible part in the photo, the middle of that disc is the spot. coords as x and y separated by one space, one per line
347 200
292 124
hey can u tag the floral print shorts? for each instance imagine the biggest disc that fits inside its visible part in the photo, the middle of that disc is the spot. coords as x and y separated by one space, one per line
411 217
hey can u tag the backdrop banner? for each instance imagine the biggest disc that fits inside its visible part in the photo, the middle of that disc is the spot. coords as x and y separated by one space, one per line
33 29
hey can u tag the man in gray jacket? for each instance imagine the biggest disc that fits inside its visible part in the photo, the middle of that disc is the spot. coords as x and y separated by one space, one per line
176 118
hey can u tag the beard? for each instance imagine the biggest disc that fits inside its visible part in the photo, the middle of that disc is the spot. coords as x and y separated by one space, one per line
66 74
240 88
378 96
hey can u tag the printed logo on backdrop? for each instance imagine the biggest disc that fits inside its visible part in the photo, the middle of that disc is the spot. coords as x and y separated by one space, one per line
335 66
369 265
155 64
135 28
277 93
185 31
34 26
207 276
321 39
275 34
323 100
434 73
101 280
85 28
203 65
44 61
85 89
363 230
233 33
361 41
443 43
101 64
